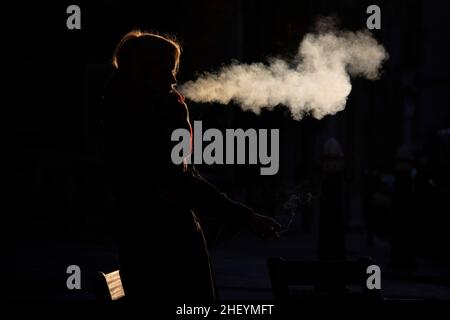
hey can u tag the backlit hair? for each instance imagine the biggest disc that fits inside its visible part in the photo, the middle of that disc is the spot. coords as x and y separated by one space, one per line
138 47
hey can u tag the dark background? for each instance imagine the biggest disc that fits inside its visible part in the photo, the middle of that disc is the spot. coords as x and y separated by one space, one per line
58 209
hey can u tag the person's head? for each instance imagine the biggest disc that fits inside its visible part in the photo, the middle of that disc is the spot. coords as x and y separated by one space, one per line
149 60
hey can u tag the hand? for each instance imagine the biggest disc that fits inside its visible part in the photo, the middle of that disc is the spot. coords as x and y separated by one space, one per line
264 227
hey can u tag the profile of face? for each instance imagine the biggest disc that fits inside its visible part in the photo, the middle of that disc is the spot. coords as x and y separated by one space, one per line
158 77
154 73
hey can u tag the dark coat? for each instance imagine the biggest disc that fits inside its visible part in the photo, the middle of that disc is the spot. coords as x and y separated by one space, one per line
162 247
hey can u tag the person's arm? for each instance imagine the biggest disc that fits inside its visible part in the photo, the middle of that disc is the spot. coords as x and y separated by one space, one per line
199 194
210 201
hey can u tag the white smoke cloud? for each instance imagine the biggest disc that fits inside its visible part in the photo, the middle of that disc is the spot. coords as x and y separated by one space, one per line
315 82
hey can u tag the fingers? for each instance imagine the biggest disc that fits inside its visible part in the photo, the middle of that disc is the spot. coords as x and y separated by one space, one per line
265 227
270 233
276 225
274 233
273 229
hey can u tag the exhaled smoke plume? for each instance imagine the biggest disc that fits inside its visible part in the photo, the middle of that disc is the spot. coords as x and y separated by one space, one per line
316 82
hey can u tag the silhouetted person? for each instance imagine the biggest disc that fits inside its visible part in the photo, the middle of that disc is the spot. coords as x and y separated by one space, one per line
371 185
162 247
331 243
405 205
